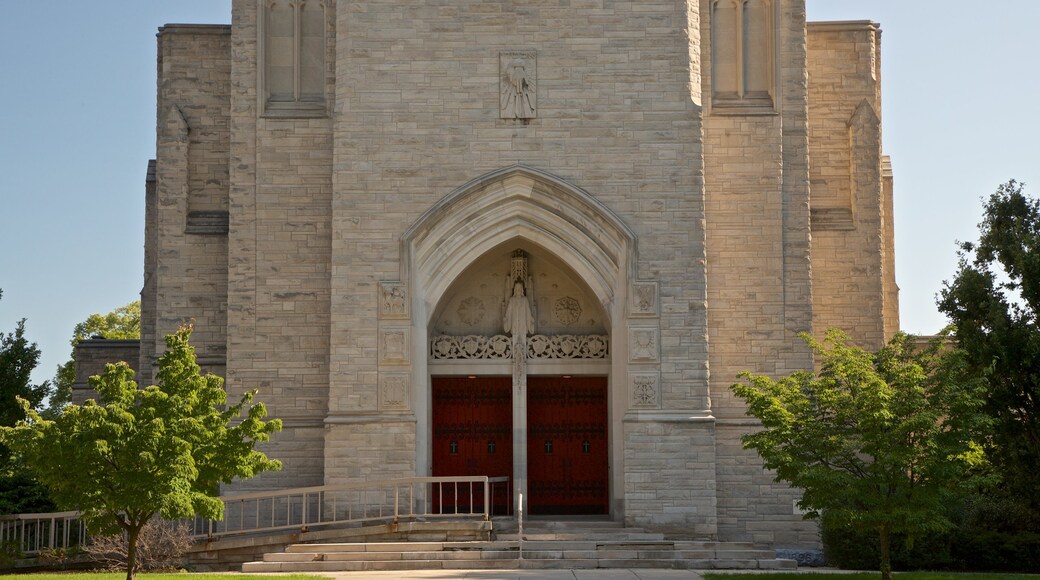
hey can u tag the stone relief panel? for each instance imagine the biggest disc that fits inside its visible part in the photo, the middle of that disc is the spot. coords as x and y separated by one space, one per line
645 390
643 299
393 391
643 344
393 301
517 85
393 345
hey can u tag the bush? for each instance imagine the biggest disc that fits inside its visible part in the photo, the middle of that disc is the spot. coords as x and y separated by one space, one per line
161 546
965 548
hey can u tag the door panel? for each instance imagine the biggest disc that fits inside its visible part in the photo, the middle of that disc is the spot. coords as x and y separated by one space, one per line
567 445
472 435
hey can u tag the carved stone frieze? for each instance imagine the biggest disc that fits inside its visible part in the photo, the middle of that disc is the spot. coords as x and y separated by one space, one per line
539 346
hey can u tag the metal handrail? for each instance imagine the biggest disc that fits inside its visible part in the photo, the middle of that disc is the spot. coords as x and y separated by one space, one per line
301 509
388 500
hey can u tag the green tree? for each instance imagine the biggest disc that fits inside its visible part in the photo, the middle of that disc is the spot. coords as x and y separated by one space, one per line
878 441
122 323
993 302
162 450
19 492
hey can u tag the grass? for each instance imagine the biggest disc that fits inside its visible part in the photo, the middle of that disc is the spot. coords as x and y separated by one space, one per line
874 575
151 576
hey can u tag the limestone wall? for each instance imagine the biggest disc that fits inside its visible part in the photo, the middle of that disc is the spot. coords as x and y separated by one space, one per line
186 238
759 287
850 233
279 255
418 114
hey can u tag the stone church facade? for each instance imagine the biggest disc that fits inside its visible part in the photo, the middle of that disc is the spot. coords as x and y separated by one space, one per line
531 239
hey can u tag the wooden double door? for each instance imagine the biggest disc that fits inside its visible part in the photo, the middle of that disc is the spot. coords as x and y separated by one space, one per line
566 440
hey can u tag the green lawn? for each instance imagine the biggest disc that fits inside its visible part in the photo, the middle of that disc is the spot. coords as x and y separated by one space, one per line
149 576
873 575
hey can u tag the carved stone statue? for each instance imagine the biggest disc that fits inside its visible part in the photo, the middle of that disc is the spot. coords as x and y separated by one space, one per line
518 322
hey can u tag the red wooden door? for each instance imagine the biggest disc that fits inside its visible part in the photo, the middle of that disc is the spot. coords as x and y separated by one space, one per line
567 445
472 435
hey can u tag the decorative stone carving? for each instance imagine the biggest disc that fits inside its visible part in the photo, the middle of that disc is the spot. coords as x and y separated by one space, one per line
643 299
393 301
642 344
644 391
567 310
539 346
517 84
393 391
393 345
471 311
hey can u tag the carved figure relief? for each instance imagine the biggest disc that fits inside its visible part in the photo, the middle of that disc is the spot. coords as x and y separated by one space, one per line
393 393
471 311
643 343
567 310
644 391
517 85
643 301
393 300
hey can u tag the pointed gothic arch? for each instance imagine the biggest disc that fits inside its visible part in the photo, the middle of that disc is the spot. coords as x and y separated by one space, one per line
522 204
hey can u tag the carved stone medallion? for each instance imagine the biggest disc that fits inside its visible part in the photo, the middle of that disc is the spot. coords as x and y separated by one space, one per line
471 311
567 311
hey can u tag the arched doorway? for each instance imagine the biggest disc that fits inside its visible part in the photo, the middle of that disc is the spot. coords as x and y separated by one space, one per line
562 229
545 423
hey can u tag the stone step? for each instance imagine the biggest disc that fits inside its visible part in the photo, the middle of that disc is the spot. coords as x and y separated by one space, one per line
599 535
513 563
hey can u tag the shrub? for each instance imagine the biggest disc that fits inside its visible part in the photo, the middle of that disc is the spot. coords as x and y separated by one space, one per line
161 546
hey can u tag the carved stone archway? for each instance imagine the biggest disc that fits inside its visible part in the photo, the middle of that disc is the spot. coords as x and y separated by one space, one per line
523 205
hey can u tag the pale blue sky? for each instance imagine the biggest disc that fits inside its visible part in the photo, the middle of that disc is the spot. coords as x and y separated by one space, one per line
77 126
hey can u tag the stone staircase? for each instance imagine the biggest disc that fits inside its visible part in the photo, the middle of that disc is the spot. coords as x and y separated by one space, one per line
545 545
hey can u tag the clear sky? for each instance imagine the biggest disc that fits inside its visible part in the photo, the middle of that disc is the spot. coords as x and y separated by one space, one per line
77 127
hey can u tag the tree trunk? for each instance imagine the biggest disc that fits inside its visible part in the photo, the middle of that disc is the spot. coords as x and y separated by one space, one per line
131 551
886 555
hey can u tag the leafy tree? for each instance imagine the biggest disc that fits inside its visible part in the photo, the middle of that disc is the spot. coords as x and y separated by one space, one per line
19 492
994 303
18 358
875 440
122 323
139 453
